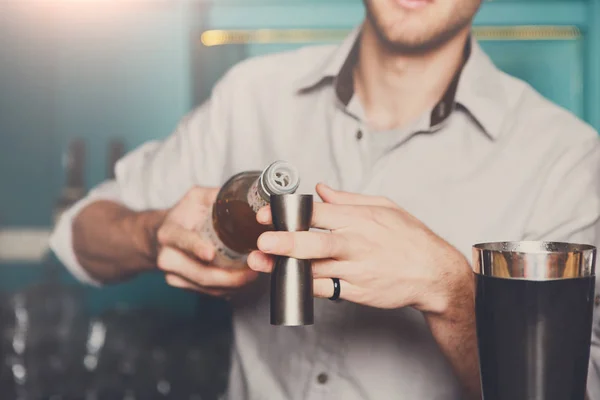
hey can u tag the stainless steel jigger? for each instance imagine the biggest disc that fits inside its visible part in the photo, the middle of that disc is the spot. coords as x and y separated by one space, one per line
291 279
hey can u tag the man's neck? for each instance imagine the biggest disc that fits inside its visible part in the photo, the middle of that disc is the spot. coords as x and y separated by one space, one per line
395 89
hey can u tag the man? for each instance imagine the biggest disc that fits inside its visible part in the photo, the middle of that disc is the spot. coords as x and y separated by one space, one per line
434 149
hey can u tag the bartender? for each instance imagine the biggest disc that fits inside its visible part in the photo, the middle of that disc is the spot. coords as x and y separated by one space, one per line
423 148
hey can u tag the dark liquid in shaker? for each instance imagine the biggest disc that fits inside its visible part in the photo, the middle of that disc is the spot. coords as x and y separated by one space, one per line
534 337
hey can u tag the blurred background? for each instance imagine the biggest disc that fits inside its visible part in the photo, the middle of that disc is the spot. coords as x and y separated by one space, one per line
83 81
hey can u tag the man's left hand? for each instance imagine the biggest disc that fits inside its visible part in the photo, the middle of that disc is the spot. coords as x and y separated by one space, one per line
383 256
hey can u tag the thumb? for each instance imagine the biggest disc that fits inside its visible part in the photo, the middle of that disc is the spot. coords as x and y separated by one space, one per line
329 195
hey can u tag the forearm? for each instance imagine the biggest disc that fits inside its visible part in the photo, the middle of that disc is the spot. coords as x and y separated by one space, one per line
113 243
455 333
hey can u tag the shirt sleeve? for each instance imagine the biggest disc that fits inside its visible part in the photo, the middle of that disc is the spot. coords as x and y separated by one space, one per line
158 173
568 209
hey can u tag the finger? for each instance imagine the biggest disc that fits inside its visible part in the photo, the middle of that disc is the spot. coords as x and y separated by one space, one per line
326 268
181 283
173 235
263 216
323 288
330 268
174 261
260 262
332 196
303 245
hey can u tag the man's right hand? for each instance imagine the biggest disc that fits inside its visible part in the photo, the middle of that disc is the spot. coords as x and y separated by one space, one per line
186 257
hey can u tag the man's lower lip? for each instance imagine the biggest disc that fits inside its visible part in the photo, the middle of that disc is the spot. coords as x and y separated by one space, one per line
413 4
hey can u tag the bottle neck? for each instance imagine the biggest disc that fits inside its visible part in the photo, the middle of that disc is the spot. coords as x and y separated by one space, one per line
263 192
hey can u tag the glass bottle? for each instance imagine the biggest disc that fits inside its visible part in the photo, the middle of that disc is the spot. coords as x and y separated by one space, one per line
232 227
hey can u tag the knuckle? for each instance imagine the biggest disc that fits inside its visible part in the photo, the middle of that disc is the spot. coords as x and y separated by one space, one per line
183 242
358 244
330 244
380 216
193 194
162 235
199 248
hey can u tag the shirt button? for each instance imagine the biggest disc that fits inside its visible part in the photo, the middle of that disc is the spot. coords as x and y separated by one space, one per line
322 378
359 135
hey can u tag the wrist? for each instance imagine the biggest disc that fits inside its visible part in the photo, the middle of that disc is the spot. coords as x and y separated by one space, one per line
452 293
143 227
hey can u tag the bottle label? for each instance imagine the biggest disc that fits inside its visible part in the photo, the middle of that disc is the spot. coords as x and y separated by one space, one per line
255 200
224 256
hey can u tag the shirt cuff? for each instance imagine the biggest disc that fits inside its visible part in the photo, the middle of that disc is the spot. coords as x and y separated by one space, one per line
61 239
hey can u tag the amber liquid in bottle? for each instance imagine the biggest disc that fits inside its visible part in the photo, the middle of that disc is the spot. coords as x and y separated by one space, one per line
233 228
233 217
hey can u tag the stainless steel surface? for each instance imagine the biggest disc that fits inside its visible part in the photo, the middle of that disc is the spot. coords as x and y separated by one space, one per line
533 260
534 303
292 292
291 279
292 212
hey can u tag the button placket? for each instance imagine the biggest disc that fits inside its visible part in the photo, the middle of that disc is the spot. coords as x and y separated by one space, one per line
349 157
327 362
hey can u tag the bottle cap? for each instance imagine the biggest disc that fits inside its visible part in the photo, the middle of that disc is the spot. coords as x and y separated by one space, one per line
279 178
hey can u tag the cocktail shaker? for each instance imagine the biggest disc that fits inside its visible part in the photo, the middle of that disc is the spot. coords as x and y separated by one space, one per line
534 303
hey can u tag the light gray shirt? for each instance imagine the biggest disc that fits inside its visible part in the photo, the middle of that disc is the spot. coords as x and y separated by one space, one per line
492 161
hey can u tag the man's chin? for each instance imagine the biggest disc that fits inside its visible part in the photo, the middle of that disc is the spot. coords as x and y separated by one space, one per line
414 45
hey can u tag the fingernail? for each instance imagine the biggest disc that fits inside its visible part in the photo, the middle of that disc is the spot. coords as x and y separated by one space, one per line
267 241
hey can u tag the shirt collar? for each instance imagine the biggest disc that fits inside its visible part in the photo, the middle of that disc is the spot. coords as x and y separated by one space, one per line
476 88
480 92
332 64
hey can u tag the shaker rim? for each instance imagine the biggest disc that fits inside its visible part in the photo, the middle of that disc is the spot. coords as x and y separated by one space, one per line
534 247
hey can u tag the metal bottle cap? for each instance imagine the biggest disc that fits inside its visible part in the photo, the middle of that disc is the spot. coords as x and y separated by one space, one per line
292 301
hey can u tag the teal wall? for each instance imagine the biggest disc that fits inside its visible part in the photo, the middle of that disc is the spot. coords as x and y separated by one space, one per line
130 69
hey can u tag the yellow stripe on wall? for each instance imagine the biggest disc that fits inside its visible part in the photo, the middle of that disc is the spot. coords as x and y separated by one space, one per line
220 37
